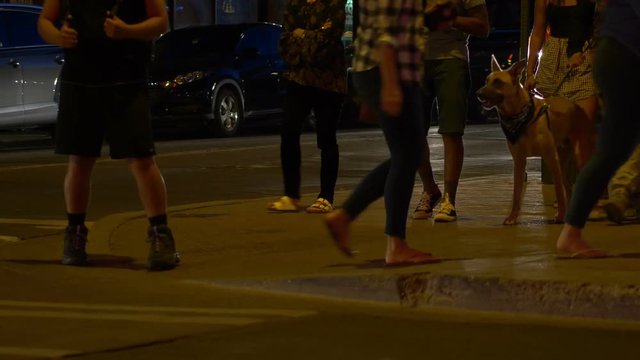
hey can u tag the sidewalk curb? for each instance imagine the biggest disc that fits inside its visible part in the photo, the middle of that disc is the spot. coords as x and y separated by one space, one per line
424 289
551 297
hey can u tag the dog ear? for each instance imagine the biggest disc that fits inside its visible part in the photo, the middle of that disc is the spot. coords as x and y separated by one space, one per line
495 65
516 69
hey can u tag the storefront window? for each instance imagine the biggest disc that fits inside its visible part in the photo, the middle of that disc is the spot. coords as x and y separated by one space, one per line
236 11
347 37
192 12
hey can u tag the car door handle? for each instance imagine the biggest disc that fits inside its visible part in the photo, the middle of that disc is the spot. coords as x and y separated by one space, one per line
15 63
59 60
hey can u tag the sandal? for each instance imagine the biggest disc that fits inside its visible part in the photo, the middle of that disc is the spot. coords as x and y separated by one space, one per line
285 204
320 206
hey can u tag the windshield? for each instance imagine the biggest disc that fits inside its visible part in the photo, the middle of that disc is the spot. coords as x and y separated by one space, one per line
195 47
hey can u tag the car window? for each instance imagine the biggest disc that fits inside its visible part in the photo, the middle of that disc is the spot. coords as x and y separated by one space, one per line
273 36
20 29
194 47
4 41
253 38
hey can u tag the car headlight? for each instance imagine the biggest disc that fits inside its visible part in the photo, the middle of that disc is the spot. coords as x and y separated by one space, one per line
184 79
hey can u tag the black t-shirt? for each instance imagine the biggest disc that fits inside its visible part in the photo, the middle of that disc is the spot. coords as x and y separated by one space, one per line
97 59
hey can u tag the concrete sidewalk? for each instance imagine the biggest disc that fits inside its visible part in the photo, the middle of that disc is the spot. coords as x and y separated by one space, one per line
486 265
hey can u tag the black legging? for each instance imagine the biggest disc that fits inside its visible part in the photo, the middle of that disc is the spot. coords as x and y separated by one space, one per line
616 71
299 102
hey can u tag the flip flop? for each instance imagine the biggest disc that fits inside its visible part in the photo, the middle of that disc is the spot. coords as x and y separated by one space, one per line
417 259
584 254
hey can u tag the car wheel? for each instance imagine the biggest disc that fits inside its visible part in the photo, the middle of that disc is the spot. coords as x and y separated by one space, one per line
227 113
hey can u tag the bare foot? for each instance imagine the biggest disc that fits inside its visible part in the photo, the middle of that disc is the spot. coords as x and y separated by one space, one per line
571 241
400 254
338 222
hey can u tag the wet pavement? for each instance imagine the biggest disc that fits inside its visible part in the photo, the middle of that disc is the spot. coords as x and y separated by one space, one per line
234 243
486 266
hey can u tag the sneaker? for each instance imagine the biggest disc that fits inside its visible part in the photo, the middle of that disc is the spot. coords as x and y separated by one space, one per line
75 241
616 205
426 205
320 206
447 212
598 213
614 212
162 249
285 204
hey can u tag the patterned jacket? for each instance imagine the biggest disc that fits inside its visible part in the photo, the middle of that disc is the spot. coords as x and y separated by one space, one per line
316 58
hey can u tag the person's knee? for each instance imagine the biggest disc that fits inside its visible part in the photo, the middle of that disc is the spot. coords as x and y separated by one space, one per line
81 164
327 142
452 140
291 132
142 165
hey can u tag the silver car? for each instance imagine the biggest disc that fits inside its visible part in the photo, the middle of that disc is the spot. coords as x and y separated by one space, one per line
29 70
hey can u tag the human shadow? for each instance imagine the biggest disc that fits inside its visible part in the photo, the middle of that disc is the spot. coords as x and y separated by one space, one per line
381 264
94 261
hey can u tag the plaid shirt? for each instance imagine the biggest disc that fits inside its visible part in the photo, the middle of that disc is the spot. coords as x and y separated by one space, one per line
396 22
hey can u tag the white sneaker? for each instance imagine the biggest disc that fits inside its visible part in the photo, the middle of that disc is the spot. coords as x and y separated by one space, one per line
427 203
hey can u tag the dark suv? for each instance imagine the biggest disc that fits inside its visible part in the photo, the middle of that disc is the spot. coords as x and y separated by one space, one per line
217 75
29 69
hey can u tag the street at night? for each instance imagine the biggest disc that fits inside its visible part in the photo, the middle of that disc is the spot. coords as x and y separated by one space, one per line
255 285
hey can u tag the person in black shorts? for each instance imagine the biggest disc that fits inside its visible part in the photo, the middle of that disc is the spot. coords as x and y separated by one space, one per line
103 96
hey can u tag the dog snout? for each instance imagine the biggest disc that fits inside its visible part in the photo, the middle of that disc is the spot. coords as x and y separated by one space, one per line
481 93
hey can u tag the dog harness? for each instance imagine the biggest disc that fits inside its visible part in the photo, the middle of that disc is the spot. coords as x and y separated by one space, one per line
514 127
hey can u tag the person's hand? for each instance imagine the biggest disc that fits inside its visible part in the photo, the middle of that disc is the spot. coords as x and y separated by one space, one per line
576 60
327 25
68 36
299 33
530 84
114 27
391 97
440 16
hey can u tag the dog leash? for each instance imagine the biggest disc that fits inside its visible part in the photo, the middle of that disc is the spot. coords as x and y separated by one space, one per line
590 44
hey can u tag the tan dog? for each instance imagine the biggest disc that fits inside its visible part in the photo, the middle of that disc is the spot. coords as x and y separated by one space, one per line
534 127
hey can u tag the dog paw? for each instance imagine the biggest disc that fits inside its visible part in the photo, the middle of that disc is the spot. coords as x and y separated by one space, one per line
510 221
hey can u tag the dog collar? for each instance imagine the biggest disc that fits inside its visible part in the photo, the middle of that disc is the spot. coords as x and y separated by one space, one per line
514 126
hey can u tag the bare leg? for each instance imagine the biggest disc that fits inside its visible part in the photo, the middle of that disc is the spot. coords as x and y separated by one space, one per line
587 138
453 159
425 171
77 183
151 187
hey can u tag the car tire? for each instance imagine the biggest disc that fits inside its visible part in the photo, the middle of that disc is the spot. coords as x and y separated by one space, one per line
227 113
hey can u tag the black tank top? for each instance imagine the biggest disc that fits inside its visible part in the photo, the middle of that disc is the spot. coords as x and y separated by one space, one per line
97 59
574 23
